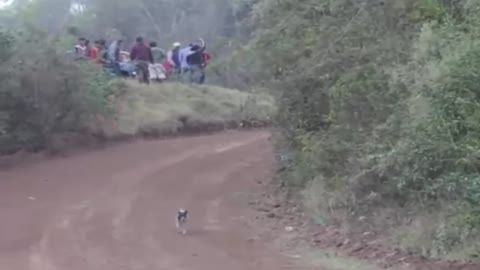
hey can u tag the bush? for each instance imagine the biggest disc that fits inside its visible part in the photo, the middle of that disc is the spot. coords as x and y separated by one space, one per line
379 111
43 93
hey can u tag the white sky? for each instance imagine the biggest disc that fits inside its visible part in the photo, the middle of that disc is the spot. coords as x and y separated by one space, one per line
4 3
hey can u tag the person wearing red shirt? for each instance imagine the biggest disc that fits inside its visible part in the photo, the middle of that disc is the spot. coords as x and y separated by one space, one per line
206 58
94 52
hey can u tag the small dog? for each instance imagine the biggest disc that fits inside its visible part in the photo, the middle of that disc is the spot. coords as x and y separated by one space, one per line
181 220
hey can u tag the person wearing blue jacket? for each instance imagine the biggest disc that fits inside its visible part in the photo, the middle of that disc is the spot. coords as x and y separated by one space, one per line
191 60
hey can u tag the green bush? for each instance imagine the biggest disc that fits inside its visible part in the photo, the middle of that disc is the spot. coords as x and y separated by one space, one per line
379 111
43 93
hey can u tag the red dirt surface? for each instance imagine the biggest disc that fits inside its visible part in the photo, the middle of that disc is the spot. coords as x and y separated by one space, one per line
282 212
113 209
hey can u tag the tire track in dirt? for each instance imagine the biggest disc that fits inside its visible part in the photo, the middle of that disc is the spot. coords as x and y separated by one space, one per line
114 209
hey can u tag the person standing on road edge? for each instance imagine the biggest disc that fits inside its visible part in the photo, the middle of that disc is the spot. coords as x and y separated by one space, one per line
196 62
142 55
81 49
94 51
206 57
102 52
156 70
172 65
113 56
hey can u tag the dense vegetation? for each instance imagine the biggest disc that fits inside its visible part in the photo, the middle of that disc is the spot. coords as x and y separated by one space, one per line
42 94
379 114
378 101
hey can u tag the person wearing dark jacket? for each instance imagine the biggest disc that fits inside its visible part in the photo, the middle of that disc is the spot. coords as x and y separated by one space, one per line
102 52
197 57
176 57
196 62
143 56
192 61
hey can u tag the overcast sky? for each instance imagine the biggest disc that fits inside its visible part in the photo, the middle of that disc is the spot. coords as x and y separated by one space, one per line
4 3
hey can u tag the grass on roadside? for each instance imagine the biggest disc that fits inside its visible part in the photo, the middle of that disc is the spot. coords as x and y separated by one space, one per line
332 261
171 108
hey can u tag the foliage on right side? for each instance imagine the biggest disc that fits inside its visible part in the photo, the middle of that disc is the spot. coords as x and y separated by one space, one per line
379 111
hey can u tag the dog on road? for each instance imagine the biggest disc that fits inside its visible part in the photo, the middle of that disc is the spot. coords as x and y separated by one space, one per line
181 220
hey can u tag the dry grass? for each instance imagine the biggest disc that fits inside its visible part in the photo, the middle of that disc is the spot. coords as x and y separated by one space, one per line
333 261
325 206
429 233
171 108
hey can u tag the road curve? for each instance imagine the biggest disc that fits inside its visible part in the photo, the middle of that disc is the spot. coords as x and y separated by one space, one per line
113 209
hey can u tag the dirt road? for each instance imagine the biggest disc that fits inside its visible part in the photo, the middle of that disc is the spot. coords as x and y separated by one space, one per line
113 209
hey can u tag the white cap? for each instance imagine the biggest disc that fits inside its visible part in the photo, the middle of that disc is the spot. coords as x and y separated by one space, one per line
177 44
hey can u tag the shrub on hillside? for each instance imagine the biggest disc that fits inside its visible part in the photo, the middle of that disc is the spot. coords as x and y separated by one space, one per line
43 93
380 110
